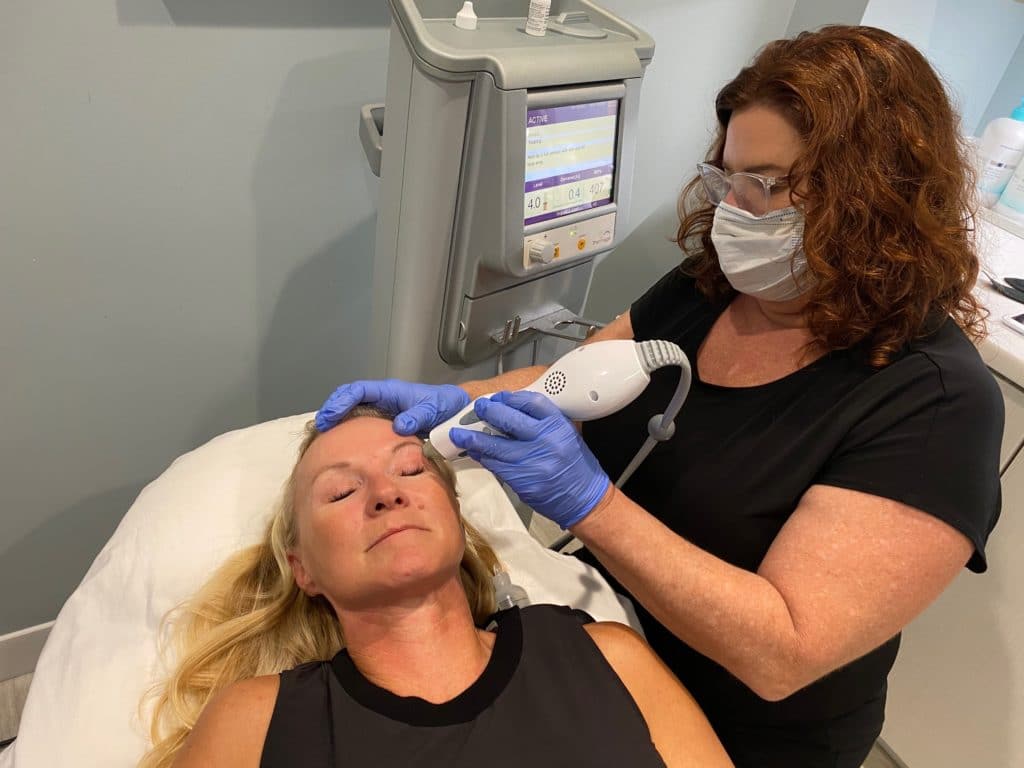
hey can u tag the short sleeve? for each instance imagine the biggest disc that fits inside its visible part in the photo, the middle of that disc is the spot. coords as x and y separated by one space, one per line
666 306
928 436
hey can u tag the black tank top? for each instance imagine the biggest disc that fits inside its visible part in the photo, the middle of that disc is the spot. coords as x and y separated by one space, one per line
547 697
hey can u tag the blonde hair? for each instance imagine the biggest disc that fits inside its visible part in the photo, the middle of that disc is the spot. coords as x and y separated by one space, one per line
252 619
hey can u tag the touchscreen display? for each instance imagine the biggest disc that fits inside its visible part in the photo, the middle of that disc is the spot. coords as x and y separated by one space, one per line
570 159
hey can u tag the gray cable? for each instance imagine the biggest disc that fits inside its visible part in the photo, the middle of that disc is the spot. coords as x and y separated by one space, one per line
660 354
654 354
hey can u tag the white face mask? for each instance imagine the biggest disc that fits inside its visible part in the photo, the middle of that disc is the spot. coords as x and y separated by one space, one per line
762 256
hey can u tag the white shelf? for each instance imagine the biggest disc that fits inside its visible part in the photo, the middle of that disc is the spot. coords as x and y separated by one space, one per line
1003 222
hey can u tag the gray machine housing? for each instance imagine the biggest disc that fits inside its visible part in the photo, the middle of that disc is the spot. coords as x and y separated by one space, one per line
454 279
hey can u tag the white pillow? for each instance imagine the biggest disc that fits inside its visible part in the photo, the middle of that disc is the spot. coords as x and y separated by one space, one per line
101 655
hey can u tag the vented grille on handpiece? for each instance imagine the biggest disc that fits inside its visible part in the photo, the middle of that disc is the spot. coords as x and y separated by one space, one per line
554 383
656 354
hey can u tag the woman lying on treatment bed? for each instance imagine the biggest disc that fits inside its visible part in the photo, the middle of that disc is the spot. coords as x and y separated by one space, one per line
368 545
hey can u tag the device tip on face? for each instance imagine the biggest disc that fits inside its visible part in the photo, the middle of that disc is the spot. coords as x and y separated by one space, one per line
431 452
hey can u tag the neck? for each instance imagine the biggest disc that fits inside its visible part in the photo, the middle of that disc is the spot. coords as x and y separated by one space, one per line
782 322
782 314
427 646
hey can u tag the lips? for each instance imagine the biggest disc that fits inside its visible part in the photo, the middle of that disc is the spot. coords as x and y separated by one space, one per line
391 532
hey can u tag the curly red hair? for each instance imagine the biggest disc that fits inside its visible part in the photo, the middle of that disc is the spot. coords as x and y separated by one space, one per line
884 181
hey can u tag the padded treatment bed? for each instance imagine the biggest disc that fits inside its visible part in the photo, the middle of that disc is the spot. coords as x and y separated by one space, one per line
102 655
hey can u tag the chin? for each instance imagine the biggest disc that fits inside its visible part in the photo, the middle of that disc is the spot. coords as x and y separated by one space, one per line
419 572
420 568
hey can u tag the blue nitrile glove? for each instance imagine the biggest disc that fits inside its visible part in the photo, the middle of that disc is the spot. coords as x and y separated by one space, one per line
542 458
417 407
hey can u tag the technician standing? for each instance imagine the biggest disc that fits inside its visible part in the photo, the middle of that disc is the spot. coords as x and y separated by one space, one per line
837 461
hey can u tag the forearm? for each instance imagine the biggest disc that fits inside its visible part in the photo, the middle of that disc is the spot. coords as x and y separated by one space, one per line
620 328
733 616
510 380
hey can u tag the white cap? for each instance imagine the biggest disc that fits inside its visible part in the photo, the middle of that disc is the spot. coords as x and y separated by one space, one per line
466 18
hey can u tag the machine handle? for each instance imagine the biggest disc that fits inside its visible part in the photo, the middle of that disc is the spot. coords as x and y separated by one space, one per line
546 325
371 134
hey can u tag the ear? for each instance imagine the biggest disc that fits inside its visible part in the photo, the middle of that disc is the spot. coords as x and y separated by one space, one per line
302 577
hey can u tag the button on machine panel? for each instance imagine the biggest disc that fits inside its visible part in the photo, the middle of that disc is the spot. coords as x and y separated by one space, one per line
571 240
542 251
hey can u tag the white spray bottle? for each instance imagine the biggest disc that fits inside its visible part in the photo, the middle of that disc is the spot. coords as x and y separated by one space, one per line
1000 152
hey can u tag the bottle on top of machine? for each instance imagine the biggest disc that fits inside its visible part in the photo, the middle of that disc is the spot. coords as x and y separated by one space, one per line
537 17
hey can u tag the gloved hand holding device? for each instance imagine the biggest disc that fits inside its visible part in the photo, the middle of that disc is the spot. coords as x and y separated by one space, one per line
418 407
541 455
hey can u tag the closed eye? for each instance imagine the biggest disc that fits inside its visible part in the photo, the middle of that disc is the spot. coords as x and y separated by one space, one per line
341 495
413 471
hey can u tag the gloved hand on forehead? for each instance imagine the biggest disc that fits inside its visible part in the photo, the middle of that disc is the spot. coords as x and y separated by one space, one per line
541 457
417 407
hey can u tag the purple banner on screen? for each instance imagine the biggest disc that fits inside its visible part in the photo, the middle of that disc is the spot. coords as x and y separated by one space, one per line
553 115
569 178
566 211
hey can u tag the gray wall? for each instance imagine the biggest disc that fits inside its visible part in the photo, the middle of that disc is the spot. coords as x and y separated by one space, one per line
1009 92
811 14
186 237
186 233
969 44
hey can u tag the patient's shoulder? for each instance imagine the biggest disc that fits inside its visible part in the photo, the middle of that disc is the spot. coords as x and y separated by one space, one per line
680 731
617 642
250 697
629 655
232 728
634 661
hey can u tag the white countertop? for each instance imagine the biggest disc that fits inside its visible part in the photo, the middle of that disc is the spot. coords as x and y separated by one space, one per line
1002 253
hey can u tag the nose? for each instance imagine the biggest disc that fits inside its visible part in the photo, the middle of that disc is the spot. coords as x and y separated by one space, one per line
389 502
730 198
387 496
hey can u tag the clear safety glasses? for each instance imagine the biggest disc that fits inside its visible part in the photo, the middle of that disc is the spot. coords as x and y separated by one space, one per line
751 191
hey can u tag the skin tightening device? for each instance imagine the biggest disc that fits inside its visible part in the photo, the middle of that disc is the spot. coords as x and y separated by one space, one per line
590 382
506 163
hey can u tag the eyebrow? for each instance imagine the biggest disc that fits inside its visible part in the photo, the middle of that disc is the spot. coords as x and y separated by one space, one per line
345 464
762 168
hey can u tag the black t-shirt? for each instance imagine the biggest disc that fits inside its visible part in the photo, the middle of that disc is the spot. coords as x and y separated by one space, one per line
924 430
547 697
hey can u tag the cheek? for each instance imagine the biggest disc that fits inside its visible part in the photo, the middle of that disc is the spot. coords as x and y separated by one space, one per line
457 538
443 516
328 540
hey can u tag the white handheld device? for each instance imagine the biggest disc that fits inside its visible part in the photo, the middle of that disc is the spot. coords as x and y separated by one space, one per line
590 382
